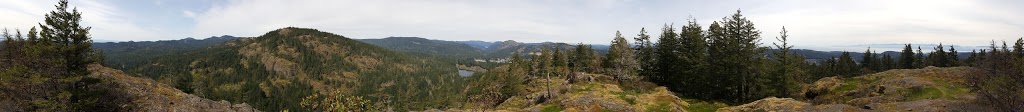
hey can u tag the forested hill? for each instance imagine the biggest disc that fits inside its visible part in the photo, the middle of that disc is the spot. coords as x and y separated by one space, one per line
462 50
132 54
422 46
277 70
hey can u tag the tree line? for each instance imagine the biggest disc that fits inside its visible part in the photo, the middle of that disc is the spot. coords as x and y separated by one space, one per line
726 62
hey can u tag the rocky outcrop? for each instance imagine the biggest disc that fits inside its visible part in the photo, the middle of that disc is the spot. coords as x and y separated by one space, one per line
787 105
929 89
821 87
148 96
590 93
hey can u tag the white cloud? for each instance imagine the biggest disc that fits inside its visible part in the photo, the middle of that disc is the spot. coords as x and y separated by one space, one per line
833 24
464 20
189 14
812 24
105 20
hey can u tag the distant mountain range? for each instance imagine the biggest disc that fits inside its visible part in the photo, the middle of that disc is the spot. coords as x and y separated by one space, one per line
463 49
456 50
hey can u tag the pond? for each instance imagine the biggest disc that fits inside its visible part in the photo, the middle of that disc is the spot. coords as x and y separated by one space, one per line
466 73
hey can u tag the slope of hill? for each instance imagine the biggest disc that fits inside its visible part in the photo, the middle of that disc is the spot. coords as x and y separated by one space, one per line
478 44
505 49
132 54
582 93
927 89
276 70
422 46
147 95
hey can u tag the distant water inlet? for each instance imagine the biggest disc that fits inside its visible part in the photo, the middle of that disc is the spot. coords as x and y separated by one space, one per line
465 73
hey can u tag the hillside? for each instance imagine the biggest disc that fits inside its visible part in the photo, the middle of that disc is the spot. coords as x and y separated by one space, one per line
505 49
422 46
144 94
503 91
133 54
927 89
276 70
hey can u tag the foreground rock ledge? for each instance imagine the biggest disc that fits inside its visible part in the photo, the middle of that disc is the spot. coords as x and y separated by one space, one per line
150 96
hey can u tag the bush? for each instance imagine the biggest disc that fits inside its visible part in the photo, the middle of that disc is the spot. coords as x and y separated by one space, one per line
1002 82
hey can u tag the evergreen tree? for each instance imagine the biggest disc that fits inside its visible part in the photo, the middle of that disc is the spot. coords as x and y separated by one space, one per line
561 63
1018 48
668 54
788 73
887 63
693 58
907 58
726 84
972 58
645 55
919 59
621 58
938 57
72 39
583 59
981 56
845 66
741 55
868 60
952 58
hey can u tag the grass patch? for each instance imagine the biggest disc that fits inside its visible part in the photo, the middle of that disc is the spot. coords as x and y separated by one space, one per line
925 93
588 87
661 107
704 106
851 84
622 95
552 108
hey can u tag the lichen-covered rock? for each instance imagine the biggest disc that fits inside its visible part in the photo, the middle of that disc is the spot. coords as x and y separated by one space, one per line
773 104
769 104
822 86
595 92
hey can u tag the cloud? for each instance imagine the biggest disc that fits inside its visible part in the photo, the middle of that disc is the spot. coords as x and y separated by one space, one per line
462 20
189 14
878 21
107 22
821 24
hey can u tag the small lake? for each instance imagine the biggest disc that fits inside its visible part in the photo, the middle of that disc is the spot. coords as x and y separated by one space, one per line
466 73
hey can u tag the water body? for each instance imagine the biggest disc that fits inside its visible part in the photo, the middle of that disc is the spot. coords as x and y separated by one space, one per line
466 73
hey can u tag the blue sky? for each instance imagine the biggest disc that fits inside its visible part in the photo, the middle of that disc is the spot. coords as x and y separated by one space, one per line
815 24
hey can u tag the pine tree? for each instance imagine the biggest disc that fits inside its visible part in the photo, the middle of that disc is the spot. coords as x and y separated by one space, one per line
887 63
938 57
561 63
724 85
668 54
645 55
788 73
972 58
743 56
952 58
63 29
621 58
907 58
1018 48
693 58
919 59
846 66
583 59
868 60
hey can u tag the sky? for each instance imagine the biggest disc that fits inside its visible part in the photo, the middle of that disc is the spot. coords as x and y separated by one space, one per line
850 25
